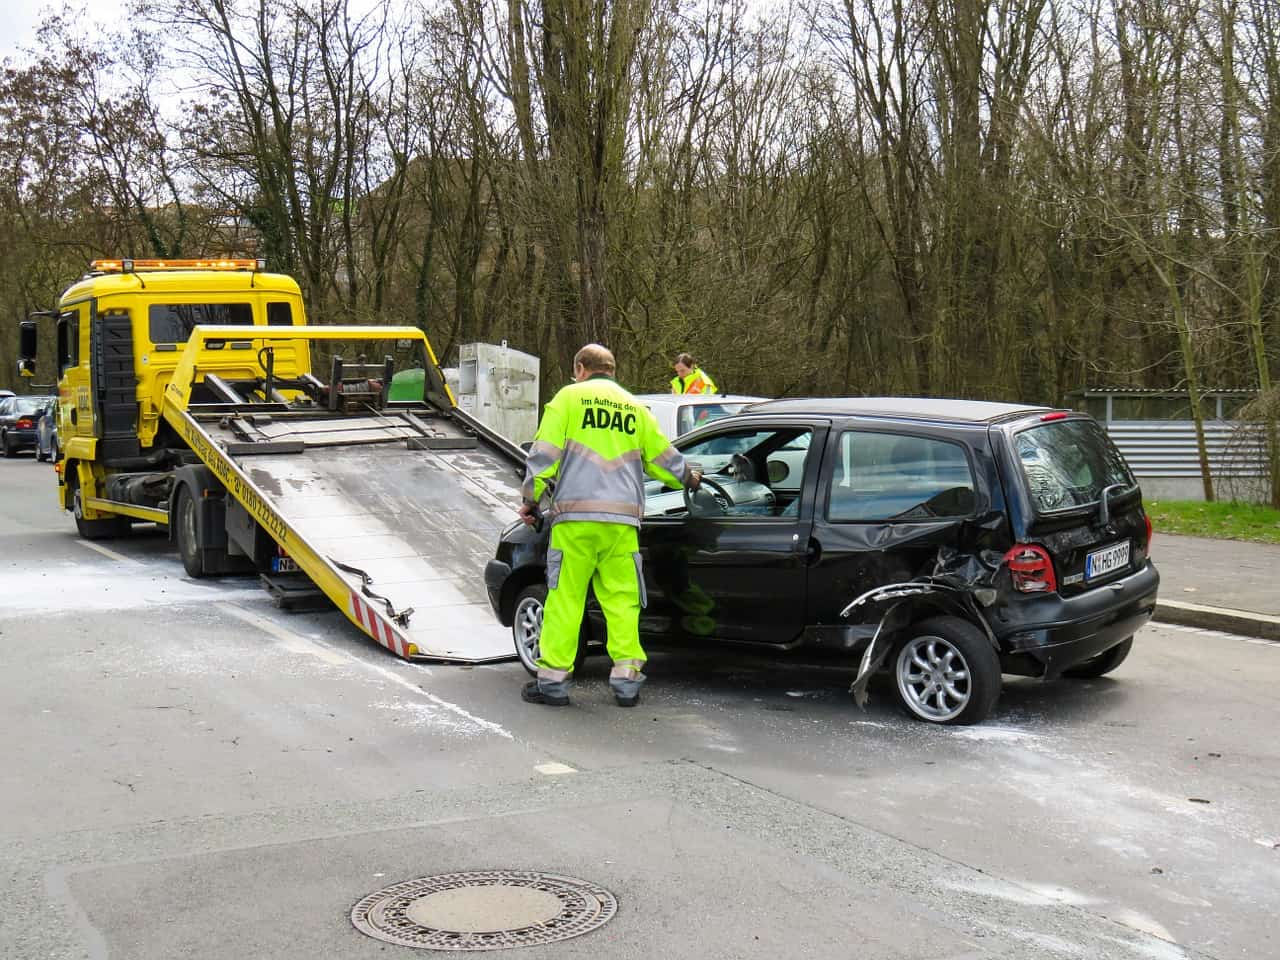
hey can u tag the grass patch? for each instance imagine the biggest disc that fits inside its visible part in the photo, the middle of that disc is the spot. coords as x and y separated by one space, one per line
1222 521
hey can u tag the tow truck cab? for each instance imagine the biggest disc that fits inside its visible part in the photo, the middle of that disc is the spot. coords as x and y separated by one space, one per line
120 331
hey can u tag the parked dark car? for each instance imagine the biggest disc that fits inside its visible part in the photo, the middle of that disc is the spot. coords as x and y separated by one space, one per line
47 432
945 541
18 417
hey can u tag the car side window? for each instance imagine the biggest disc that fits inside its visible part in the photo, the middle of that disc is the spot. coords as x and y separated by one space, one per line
878 477
756 473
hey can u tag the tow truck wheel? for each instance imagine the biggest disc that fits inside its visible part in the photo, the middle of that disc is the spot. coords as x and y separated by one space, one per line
526 628
947 672
106 529
186 532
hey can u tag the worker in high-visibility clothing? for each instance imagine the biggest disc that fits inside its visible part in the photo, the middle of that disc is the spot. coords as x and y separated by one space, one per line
690 378
597 442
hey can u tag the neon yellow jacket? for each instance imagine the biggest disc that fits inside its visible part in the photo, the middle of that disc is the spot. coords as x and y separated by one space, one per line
598 442
696 382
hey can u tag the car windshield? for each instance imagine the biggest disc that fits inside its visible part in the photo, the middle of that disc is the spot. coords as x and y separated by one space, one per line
1068 463
693 415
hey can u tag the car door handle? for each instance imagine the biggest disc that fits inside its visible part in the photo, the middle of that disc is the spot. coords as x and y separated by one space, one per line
814 552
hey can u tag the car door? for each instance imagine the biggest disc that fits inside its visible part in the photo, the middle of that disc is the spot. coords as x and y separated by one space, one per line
734 570
888 499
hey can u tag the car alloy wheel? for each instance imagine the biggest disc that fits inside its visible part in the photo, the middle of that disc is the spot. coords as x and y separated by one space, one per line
526 626
933 678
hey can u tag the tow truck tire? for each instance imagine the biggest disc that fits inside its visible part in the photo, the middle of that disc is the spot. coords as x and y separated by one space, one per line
946 672
186 533
1103 663
108 528
526 625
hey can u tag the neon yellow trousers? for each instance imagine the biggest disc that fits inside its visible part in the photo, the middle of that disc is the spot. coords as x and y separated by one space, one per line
606 557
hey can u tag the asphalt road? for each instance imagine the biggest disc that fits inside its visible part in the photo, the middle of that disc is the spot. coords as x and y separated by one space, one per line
188 772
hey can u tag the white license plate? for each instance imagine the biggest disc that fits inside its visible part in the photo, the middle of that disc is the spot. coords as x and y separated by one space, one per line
284 565
1107 560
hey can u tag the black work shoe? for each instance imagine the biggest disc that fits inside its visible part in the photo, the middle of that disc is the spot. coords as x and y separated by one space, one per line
627 701
531 694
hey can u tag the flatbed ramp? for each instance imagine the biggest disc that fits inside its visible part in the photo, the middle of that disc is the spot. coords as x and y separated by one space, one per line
392 513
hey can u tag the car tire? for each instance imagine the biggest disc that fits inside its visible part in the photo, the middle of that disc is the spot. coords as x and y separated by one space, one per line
1102 664
526 628
947 672
40 455
5 449
109 528
186 533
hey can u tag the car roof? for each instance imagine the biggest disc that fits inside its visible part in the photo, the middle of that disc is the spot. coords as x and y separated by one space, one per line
907 408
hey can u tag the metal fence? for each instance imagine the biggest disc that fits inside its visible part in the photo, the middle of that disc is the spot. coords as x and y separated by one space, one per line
1167 448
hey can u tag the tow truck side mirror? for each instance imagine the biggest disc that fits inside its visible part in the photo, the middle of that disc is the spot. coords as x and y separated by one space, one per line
27 341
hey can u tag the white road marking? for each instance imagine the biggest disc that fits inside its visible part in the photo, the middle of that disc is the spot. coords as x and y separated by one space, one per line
293 642
1145 924
109 553
318 648
1216 634
553 769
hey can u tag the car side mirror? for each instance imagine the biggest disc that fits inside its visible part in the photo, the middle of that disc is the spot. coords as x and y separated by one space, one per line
28 341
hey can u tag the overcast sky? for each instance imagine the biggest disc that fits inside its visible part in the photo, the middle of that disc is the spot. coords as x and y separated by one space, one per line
19 19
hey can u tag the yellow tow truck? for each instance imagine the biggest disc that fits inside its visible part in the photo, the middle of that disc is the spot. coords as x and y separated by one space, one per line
189 398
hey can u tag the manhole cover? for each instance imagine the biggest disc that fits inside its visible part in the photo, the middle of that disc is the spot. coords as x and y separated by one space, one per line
484 910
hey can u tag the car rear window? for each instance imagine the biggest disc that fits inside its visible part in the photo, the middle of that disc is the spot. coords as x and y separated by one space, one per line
1068 463
693 415
173 322
25 405
892 476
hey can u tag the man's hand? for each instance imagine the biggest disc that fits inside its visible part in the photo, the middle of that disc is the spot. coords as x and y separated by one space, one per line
695 479
529 513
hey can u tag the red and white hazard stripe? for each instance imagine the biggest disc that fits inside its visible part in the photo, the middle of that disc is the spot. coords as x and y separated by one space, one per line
375 626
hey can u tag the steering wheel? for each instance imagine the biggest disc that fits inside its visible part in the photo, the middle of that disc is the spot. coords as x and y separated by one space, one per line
719 496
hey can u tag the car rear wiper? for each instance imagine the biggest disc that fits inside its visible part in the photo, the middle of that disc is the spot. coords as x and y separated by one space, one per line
1104 502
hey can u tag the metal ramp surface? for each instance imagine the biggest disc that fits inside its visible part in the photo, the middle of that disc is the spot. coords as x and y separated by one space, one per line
420 524
401 509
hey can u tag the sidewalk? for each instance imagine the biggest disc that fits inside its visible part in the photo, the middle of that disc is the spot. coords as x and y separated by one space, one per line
1226 585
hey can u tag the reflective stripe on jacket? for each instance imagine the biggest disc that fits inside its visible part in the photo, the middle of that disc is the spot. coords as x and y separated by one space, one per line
598 443
695 382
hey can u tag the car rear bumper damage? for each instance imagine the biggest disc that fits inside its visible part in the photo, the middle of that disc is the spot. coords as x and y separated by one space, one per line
1044 636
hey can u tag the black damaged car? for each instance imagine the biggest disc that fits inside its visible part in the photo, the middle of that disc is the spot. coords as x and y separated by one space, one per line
945 541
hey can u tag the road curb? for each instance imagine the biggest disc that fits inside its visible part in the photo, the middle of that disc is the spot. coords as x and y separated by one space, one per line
1243 622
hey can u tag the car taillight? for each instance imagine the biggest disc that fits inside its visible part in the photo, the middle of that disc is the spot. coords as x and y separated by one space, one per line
1150 532
23 424
1031 569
